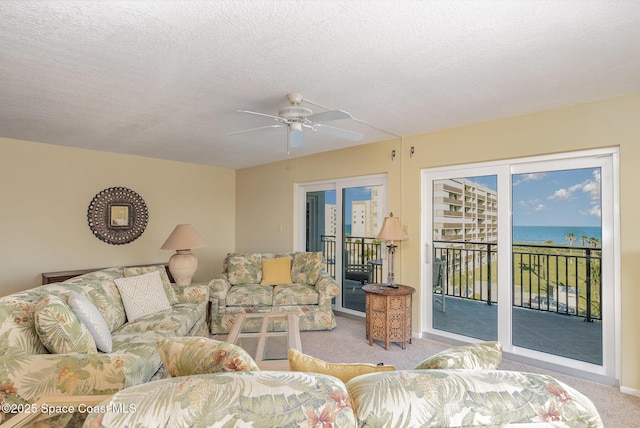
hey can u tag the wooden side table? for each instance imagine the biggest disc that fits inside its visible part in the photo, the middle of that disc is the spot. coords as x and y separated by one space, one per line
388 313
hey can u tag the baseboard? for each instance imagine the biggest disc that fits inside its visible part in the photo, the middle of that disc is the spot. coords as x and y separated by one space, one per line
630 391
349 315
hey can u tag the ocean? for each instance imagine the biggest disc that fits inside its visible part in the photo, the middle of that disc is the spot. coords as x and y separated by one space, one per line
557 234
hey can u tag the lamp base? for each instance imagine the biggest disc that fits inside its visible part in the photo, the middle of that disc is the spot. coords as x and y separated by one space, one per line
391 278
183 265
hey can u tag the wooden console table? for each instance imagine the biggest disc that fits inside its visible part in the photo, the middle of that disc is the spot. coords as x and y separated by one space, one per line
51 277
388 313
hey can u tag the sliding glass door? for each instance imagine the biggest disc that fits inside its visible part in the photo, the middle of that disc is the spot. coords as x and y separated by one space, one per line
523 252
342 218
465 240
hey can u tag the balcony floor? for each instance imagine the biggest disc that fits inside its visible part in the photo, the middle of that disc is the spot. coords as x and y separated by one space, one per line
548 332
562 335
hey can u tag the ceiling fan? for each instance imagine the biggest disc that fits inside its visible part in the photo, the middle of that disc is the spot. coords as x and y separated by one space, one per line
296 117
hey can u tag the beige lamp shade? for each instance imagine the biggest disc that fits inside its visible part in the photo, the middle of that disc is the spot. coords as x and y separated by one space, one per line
391 230
183 237
183 264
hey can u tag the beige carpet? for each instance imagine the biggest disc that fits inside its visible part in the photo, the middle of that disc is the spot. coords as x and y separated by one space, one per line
347 344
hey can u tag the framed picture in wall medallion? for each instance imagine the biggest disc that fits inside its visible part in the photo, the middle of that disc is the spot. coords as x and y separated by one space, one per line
117 215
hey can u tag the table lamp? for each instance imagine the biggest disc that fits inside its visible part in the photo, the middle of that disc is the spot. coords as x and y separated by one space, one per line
183 263
391 231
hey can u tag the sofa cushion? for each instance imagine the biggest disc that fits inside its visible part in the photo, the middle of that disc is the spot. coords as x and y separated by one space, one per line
294 294
477 356
144 347
299 362
183 356
468 398
178 321
276 271
100 288
166 283
239 399
306 267
59 329
142 295
92 319
250 295
244 268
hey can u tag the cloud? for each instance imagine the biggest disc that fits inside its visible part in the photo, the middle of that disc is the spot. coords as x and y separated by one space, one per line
562 194
540 207
530 177
595 211
588 186
529 203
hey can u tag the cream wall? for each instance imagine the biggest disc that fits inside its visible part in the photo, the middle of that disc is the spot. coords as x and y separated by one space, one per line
266 197
45 192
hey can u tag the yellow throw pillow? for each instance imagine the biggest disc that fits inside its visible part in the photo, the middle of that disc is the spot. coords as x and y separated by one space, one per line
276 271
299 362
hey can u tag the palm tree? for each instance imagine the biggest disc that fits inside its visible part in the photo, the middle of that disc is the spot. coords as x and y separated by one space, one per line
584 239
570 237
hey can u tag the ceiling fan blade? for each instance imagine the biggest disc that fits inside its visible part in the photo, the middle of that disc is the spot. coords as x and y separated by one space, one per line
338 132
326 116
295 138
255 129
278 118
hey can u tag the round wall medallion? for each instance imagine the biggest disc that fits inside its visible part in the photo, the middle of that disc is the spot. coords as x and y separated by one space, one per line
117 215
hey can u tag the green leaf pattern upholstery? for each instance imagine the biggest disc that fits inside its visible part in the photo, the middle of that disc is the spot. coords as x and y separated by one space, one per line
258 399
406 398
59 328
478 356
184 356
28 371
310 295
467 398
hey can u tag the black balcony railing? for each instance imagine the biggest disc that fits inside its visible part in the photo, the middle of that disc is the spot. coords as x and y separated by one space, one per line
358 251
552 278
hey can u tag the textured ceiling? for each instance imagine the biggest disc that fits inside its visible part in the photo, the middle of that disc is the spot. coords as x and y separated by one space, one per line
164 78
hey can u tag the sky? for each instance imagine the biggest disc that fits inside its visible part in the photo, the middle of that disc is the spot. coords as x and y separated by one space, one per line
556 198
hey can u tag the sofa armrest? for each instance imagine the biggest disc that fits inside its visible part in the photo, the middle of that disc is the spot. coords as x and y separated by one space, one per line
28 377
326 285
219 286
195 293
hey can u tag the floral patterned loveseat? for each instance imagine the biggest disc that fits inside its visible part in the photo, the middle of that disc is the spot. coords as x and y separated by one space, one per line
241 288
29 370
456 388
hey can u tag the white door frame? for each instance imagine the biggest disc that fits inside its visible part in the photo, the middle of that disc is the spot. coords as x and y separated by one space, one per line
338 185
608 160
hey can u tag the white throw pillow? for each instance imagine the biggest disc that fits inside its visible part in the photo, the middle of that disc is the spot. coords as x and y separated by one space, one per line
92 319
142 295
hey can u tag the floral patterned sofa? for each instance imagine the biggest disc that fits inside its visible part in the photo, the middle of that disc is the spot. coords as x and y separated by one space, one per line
456 388
245 286
30 319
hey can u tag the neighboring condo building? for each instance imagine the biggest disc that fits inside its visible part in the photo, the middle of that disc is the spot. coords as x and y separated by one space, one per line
366 217
464 211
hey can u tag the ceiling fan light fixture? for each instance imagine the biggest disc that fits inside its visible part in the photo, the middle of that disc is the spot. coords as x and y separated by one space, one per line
294 112
295 127
296 117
